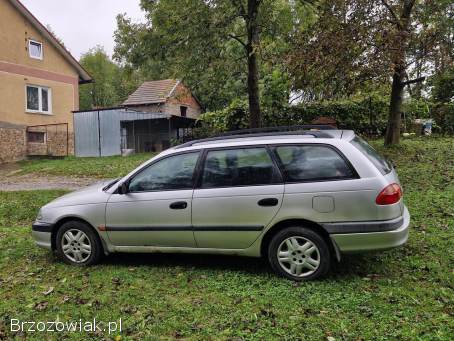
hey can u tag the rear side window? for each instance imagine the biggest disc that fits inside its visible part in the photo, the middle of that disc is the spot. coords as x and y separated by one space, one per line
379 161
312 163
238 167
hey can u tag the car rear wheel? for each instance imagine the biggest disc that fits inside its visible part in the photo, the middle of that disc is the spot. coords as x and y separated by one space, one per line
299 254
78 244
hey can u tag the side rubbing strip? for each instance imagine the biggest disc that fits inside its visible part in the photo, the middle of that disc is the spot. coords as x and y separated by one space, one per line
363 226
148 228
228 228
183 228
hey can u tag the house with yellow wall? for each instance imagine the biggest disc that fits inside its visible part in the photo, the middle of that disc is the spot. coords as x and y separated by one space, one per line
39 87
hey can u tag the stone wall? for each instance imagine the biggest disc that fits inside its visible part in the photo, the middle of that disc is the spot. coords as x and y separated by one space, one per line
14 145
57 142
12 142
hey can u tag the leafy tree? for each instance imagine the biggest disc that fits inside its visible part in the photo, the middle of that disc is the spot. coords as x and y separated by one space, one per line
217 47
276 89
443 86
356 45
337 55
104 91
400 19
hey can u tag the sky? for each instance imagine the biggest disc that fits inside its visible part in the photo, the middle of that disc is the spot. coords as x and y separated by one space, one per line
83 24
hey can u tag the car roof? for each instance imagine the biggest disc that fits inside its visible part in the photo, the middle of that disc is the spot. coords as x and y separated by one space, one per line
238 138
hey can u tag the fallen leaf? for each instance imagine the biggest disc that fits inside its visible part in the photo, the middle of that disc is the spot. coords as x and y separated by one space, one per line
41 305
48 292
66 298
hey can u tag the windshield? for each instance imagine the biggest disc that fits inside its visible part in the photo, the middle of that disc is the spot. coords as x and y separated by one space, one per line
379 161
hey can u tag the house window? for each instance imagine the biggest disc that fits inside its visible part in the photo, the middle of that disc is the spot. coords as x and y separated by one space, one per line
36 136
38 99
183 111
35 49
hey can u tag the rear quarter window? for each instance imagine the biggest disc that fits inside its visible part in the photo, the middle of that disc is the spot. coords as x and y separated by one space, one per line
379 161
312 163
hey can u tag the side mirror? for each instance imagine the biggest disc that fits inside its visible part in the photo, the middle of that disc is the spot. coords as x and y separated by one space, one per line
123 188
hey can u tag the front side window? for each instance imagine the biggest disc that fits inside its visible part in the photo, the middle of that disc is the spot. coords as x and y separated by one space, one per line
171 173
238 167
312 163
38 99
35 49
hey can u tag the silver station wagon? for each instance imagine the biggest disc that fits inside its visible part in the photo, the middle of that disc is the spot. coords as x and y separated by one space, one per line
299 198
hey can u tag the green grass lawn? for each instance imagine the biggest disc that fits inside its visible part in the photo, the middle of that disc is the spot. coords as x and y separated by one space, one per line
403 294
97 167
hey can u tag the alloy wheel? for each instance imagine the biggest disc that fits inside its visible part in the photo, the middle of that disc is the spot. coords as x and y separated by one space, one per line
76 245
298 256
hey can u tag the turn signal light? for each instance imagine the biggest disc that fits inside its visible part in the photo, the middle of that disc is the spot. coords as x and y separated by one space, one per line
389 195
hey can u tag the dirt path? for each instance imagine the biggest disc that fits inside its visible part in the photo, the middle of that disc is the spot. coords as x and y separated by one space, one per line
12 180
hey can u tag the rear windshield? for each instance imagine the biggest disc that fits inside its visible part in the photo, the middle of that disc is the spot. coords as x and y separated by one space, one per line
379 161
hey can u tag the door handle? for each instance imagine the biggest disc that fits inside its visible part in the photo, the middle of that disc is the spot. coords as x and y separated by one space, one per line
178 205
268 202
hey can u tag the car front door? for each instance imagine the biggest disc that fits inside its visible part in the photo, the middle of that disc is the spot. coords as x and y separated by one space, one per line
156 210
239 192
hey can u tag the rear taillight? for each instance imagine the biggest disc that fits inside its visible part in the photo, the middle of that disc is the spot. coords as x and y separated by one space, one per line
389 195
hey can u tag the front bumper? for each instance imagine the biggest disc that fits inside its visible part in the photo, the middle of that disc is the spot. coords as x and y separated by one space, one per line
369 241
42 234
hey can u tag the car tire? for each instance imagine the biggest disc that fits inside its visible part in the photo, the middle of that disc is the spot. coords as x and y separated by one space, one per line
299 254
77 244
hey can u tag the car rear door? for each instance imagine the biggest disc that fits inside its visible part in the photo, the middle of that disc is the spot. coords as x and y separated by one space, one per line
239 192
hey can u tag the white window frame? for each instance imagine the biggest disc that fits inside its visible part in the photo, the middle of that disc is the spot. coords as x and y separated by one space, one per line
30 41
40 100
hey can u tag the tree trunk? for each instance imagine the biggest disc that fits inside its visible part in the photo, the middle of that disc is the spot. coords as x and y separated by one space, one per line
399 47
253 92
394 119
253 71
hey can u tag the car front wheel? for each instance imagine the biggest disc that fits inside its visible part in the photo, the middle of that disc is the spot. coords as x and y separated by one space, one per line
299 254
78 244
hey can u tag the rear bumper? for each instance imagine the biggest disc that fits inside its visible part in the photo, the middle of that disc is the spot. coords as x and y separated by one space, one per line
41 233
369 241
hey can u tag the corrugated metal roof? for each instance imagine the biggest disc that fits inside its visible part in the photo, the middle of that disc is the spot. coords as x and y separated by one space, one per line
152 92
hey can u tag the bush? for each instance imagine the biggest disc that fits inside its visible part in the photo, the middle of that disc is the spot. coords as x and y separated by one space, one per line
443 115
367 115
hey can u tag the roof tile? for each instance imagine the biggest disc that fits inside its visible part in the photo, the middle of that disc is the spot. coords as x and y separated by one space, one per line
151 92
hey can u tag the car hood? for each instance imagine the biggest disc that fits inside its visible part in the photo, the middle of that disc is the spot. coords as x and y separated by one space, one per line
92 194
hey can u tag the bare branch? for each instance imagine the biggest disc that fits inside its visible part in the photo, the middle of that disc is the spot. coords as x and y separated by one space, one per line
412 81
237 39
393 14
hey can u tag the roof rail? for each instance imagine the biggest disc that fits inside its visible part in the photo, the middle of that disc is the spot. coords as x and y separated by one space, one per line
270 131
279 129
